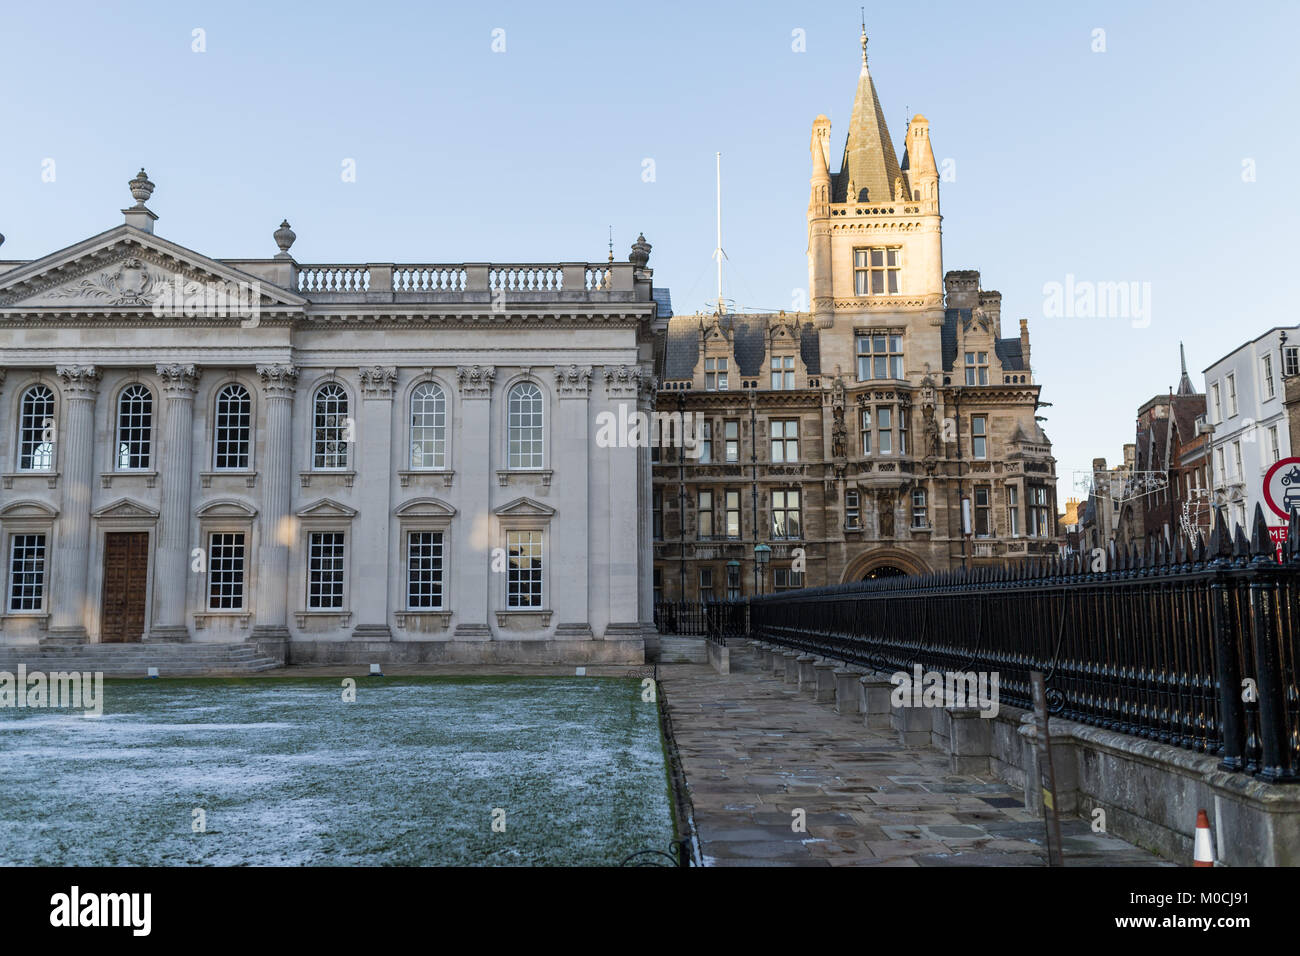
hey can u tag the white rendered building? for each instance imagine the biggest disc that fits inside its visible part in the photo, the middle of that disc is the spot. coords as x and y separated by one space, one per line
333 462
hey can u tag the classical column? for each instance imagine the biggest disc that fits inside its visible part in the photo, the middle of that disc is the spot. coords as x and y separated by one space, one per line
571 449
277 529
172 557
69 608
645 508
375 465
472 541
622 386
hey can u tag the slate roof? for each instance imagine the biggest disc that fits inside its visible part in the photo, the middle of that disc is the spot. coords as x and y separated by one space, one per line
663 298
1008 350
869 158
748 339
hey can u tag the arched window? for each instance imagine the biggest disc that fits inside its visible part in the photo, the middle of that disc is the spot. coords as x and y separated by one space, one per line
234 427
36 429
524 428
134 427
330 427
428 427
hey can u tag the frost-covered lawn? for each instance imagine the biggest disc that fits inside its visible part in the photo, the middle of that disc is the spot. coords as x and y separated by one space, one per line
289 774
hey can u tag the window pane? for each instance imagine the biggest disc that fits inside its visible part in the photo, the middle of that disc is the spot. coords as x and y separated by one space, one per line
428 427
525 426
233 432
330 427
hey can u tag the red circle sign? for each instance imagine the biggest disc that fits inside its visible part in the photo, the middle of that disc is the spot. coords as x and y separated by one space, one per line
1282 487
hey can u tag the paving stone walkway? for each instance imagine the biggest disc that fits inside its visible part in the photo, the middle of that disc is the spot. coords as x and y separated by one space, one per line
754 749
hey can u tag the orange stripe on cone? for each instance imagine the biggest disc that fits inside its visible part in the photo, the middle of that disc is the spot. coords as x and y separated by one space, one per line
1204 855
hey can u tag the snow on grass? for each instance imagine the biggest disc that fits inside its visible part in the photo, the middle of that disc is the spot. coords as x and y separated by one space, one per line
289 774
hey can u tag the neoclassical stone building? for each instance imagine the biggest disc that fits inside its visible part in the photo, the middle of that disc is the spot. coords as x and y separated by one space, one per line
890 429
335 462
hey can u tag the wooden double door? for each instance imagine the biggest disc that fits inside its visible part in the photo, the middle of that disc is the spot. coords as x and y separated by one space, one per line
126 586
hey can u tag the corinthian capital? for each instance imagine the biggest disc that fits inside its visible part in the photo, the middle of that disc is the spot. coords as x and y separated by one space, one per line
475 380
377 381
573 379
79 381
178 379
623 380
278 381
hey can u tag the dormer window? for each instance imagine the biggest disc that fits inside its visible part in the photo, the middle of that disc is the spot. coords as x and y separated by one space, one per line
782 371
715 375
876 269
977 368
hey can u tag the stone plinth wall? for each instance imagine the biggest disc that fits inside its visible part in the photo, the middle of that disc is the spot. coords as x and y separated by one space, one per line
466 652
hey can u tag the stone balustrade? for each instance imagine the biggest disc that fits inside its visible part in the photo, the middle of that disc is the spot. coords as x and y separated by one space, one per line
385 282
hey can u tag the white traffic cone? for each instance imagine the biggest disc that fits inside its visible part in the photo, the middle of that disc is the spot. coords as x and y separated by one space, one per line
1204 855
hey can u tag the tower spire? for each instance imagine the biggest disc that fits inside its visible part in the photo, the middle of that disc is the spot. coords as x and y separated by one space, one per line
1185 386
864 35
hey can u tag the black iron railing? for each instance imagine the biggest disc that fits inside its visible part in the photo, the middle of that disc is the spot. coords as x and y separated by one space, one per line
1193 644
716 620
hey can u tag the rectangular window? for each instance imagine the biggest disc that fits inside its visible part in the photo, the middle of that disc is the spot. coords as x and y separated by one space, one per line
732 438
705 513
784 579
715 375
977 368
1013 510
902 431
785 514
920 513
852 510
1218 461
782 371
524 573
424 570
226 564
27 572
1232 394
885 430
733 514
785 441
880 355
866 431
876 270
982 527
657 505
733 582
1236 459
1274 451
979 426
1291 360
706 585
1269 390
706 443
325 570
1218 402
1038 512
659 585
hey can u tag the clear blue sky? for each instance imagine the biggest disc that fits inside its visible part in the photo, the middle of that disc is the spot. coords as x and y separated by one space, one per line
1117 166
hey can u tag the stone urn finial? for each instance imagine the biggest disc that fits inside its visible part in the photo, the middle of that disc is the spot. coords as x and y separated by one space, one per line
640 252
141 188
284 237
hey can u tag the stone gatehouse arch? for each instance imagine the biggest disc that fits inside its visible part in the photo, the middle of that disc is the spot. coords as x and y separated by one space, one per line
879 558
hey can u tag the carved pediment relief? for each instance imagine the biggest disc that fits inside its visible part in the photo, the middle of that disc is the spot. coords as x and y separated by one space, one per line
327 508
125 508
524 508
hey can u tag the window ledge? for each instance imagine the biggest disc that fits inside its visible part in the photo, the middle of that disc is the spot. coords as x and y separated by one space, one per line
447 475
523 615
205 477
417 619
303 617
506 475
106 478
201 618
348 476
51 477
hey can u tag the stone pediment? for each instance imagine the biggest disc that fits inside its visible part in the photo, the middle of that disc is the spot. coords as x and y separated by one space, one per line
425 508
226 508
327 508
125 508
126 269
524 508
27 508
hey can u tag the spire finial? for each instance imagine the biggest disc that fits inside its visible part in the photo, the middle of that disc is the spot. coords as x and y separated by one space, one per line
864 35
1182 357
611 243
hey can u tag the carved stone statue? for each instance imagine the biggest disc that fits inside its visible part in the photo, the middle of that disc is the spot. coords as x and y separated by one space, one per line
839 433
931 433
885 509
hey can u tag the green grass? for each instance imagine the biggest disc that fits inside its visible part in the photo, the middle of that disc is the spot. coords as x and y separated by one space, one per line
289 774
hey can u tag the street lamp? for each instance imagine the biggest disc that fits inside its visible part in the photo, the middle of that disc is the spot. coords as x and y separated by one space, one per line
762 555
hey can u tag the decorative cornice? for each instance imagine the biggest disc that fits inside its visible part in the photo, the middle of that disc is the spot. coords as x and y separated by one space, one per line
475 381
573 379
623 380
80 381
278 381
377 381
178 380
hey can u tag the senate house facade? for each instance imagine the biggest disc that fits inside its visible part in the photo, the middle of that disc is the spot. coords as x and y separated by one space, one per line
323 460
891 429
